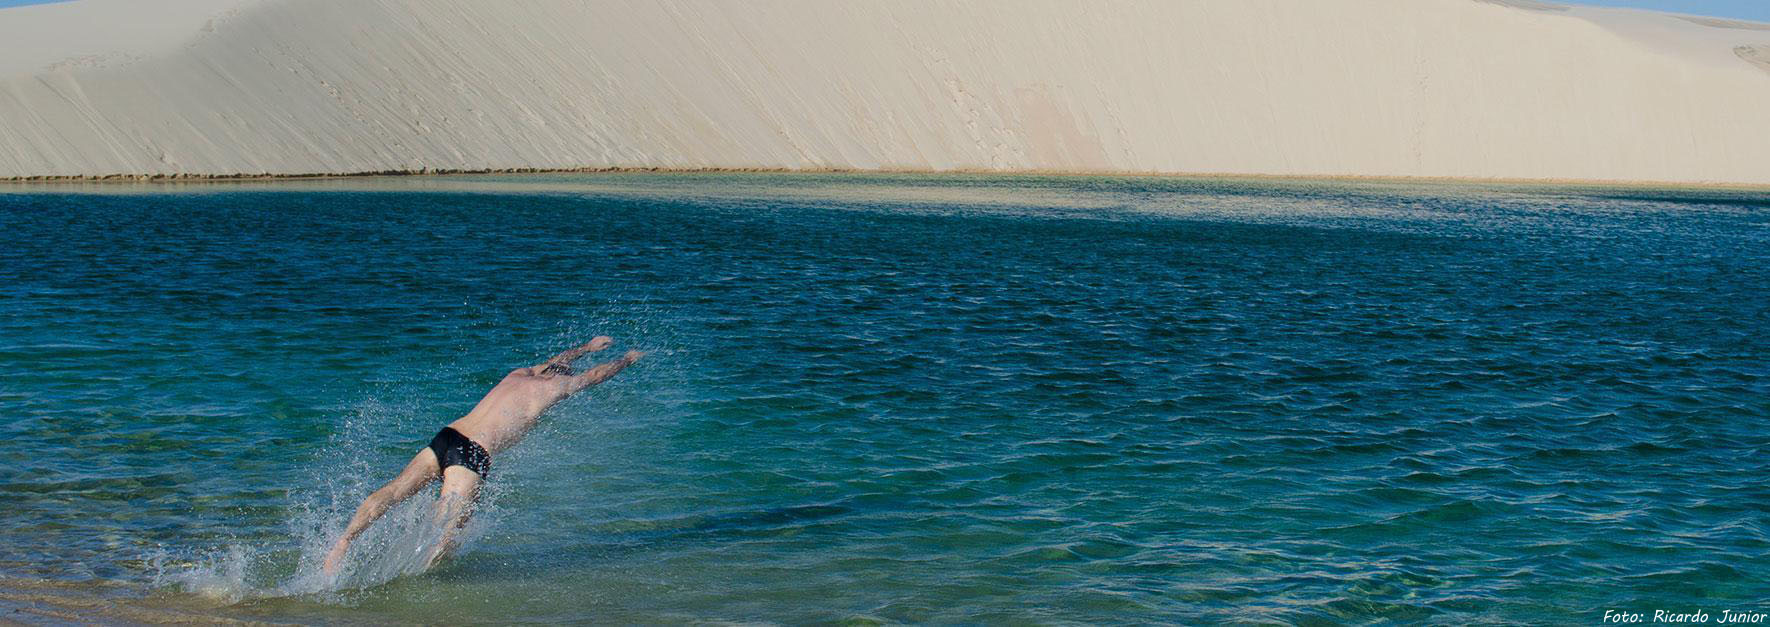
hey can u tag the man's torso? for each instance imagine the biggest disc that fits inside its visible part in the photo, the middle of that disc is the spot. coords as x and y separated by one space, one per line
509 410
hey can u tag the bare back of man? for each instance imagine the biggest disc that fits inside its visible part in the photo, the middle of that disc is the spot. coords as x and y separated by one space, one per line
461 453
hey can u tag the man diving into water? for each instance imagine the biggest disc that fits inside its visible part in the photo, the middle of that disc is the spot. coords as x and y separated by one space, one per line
461 454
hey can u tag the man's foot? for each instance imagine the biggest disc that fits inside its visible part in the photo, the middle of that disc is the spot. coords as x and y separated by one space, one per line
334 560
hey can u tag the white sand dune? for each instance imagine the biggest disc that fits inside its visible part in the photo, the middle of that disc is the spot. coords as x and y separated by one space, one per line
1430 88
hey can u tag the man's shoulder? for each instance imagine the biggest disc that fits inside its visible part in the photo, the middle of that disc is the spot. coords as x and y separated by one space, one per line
529 376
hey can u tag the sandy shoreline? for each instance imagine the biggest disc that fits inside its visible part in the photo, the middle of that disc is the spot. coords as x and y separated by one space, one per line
222 179
27 601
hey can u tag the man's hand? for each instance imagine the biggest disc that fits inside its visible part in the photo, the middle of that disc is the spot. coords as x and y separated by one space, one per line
565 359
601 372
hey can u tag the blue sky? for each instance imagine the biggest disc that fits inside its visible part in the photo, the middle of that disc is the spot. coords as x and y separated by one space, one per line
1743 9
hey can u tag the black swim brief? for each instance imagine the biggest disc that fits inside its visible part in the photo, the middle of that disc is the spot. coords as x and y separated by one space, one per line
454 449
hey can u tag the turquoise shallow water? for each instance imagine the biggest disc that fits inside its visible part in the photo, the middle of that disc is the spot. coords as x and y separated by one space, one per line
915 399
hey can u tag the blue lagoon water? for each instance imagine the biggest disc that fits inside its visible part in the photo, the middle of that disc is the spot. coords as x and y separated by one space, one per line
898 399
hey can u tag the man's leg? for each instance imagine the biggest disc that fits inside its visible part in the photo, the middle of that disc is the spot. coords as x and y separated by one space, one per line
419 473
460 494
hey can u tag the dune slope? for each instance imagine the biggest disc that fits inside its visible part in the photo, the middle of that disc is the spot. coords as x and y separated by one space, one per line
1439 88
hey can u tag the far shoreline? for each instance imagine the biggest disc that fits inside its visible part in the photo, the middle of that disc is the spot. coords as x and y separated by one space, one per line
9 184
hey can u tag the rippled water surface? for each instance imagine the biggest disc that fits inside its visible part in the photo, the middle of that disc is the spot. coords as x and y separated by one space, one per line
902 399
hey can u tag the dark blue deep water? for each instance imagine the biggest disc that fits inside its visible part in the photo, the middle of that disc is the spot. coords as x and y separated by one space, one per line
901 399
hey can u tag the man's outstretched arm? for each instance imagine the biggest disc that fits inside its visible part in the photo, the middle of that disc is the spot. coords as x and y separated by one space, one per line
602 372
566 358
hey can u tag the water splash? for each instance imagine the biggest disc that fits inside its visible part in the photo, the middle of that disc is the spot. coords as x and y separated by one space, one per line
401 541
397 545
